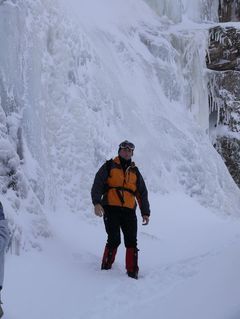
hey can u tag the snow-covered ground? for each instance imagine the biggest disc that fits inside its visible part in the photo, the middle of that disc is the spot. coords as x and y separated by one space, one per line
189 268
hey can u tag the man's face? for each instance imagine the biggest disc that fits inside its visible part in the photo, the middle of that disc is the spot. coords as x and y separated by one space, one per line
126 153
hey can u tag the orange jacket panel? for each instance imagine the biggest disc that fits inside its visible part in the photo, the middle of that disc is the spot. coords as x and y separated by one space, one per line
121 180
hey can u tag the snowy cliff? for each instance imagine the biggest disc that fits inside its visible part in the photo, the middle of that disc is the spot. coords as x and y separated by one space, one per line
223 59
75 81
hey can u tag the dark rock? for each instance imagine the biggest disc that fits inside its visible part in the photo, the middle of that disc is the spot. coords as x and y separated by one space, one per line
223 57
224 49
229 10
229 148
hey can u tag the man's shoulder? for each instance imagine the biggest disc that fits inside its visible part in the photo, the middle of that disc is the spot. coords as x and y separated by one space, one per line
109 164
134 167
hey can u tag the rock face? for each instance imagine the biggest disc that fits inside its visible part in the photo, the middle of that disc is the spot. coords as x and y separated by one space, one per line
229 150
229 10
224 90
224 49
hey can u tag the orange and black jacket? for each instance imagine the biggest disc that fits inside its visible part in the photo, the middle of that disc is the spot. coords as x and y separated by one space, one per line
115 186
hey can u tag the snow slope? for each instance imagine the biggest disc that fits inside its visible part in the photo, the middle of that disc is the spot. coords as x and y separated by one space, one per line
189 263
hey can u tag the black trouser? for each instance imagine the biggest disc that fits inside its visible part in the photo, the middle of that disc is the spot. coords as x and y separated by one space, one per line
116 218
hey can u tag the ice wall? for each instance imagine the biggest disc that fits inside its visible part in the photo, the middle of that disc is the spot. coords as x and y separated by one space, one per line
180 10
20 177
85 79
139 78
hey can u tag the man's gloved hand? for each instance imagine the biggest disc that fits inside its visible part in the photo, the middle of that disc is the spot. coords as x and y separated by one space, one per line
145 219
98 210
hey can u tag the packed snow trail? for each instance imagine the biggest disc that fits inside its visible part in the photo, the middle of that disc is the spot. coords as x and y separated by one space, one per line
189 268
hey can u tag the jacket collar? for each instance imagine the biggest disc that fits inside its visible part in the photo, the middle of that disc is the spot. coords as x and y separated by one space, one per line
118 161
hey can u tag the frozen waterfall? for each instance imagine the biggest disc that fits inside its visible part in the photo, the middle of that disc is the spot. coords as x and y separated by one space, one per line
181 10
76 81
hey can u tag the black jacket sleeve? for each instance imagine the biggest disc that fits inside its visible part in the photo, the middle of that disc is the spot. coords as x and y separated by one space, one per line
99 184
142 195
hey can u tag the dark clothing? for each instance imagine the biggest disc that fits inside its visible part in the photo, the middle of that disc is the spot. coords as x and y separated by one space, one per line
100 188
116 218
99 185
4 240
117 185
124 163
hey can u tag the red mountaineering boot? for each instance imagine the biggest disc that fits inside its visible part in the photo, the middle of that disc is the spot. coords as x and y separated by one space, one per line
132 262
108 257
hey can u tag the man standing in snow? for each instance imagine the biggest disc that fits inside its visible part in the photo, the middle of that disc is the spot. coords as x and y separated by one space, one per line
116 185
4 238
